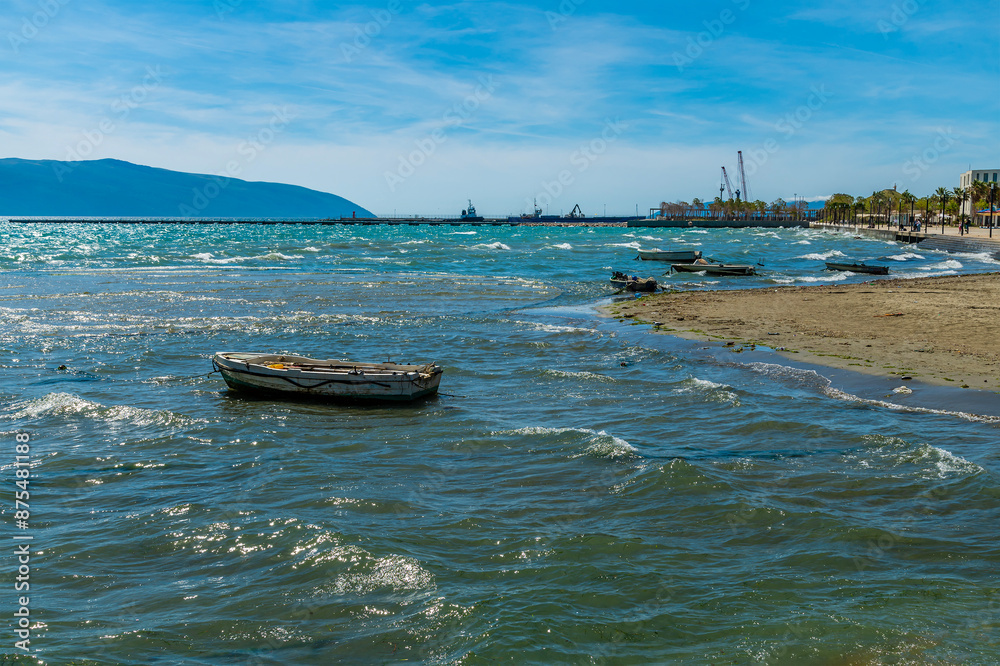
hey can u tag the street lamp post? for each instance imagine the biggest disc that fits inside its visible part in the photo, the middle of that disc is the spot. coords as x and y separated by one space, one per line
993 193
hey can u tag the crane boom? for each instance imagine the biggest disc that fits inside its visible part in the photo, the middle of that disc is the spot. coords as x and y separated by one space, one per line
744 185
729 185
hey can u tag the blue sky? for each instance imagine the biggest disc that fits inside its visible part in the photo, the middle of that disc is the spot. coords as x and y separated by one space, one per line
414 107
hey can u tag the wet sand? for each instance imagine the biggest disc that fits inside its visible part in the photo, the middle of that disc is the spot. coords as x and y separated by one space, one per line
940 330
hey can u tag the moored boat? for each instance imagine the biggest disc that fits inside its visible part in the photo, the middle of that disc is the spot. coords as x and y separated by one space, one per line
731 269
857 268
470 215
284 375
633 283
680 256
703 266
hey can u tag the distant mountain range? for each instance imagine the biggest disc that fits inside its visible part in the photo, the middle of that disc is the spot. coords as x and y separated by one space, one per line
113 188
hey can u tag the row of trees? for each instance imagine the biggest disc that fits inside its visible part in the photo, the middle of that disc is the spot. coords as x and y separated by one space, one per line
938 206
779 209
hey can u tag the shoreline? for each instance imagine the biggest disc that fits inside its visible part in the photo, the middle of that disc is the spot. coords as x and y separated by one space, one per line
940 330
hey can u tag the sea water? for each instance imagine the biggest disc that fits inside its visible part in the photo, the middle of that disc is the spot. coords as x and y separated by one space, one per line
582 491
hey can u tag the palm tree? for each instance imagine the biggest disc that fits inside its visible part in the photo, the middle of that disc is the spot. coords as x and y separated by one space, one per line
978 192
942 195
906 198
961 196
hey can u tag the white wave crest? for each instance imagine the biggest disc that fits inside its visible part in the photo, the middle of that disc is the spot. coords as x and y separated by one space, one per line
816 256
66 404
714 392
552 328
491 246
949 265
563 246
832 277
905 256
598 442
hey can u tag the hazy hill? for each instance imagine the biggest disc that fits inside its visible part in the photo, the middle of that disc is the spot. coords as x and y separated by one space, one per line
113 188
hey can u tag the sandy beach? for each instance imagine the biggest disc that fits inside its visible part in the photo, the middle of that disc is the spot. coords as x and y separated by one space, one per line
939 330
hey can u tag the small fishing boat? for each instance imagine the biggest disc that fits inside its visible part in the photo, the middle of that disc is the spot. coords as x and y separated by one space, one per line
703 266
857 268
680 256
731 269
633 283
283 375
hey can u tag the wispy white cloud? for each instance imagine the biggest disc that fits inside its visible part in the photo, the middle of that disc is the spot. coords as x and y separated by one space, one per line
362 100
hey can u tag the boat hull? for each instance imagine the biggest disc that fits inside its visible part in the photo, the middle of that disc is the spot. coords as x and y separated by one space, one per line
298 377
857 268
679 256
714 269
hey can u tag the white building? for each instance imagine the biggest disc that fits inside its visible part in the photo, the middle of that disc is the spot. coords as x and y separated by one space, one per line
985 175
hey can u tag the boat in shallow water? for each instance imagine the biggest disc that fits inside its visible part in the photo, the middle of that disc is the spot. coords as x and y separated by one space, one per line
283 375
857 268
679 256
702 266
633 282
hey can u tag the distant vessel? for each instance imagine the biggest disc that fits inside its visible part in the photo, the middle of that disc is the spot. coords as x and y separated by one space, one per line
575 215
470 214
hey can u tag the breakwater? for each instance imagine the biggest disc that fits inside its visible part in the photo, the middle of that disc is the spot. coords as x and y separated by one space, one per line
437 222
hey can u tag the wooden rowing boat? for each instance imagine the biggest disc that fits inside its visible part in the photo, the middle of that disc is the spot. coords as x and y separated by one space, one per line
731 269
633 283
680 256
857 268
714 269
283 375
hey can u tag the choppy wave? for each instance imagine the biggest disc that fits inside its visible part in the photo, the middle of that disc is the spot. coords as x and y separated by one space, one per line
596 443
822 256
949 265
837 276
68 405
815 381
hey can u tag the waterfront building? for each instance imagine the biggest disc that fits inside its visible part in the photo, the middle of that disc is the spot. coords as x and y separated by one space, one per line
985 175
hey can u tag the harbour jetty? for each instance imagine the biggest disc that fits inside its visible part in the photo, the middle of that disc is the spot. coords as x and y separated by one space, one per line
444 221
